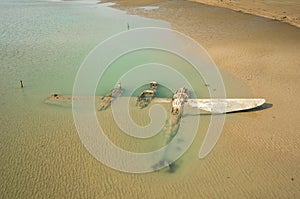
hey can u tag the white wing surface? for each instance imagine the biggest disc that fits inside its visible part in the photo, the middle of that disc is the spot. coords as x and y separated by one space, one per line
225 105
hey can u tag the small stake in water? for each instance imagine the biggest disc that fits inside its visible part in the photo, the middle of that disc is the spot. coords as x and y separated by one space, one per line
21 83
128 27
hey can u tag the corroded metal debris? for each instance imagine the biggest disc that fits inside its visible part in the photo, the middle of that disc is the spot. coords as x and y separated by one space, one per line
179 100
106 101
145 98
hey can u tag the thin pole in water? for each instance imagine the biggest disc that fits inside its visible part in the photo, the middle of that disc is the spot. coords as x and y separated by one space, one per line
21 83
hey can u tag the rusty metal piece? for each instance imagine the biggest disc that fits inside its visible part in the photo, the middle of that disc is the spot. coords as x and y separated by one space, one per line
145 98
110 97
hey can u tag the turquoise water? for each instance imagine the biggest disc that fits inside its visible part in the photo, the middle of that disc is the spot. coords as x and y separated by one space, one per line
43 43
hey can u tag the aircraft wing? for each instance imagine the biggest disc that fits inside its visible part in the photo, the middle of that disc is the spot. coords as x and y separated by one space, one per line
225 105
162 100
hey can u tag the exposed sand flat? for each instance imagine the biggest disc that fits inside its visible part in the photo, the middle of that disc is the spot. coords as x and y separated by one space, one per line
258 153
286 10
135 2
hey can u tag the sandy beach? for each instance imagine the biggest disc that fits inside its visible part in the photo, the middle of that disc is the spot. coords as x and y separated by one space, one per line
258 151
285 11
44 43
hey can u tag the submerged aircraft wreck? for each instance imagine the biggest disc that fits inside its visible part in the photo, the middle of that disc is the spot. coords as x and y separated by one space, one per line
103 102
214 106
180 99
147 95
110 97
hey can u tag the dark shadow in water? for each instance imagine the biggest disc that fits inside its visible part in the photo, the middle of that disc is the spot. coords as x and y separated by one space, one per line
173 167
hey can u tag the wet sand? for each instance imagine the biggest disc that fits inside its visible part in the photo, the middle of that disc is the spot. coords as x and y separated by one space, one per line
286 11
258 153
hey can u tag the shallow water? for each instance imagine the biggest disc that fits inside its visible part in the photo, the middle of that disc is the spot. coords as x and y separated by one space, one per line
43 43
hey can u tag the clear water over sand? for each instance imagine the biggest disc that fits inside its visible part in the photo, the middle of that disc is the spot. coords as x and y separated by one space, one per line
43 43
